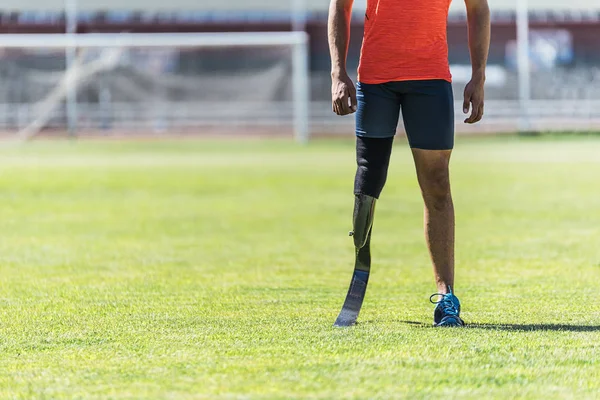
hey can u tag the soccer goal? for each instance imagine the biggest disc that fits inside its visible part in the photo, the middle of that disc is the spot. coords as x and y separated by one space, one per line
171 84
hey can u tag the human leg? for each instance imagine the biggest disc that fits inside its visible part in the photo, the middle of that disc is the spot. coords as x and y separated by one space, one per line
377 119
427 107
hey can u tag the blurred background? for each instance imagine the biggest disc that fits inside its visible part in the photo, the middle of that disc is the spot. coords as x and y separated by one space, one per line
231 69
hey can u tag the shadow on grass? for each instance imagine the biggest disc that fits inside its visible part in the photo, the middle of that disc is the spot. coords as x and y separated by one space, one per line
520 327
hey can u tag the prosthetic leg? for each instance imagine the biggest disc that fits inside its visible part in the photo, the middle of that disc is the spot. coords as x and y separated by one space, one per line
364 210
373 157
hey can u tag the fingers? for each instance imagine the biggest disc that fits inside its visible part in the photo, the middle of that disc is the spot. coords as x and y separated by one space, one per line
353 102
473 101
479 113
466 102
344 100
471 117
334 107
476 113
339 106
345 104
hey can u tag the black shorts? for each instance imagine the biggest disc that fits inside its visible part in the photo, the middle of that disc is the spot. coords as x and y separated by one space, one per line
427 110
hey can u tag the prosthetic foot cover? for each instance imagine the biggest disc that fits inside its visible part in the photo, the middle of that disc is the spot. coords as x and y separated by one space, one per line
364 209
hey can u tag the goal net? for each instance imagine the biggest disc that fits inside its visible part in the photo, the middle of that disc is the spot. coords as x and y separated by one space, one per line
155 84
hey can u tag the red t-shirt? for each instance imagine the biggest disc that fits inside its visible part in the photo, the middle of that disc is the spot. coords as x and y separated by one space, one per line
404 40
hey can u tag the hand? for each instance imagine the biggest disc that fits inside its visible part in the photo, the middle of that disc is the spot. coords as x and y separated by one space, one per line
343 94
474 95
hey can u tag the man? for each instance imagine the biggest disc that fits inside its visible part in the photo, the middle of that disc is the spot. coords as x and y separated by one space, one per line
404 66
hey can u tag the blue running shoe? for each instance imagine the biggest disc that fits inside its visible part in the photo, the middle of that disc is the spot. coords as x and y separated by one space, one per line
447 310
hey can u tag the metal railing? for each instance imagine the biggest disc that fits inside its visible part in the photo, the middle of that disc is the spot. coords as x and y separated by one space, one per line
500 116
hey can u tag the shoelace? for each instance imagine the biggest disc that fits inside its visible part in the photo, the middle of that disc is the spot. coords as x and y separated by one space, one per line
448 306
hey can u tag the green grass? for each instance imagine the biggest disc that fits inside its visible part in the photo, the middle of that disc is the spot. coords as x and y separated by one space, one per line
214 270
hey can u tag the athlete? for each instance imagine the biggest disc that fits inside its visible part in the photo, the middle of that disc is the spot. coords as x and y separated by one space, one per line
404 68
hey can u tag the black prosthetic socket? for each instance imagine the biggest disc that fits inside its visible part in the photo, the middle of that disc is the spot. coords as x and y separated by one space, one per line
372 159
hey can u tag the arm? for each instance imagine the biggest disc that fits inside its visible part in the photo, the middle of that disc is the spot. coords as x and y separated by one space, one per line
478 17
343 93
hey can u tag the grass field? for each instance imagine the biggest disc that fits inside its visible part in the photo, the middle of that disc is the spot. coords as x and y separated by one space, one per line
214 270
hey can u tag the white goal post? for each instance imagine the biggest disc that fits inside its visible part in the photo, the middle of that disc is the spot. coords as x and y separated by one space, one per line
297 40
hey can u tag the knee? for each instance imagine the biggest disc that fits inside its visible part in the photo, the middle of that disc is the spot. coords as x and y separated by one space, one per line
435 185
372 158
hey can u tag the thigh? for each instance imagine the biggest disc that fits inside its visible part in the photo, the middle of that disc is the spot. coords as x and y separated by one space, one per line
432 169
378 111
428 114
